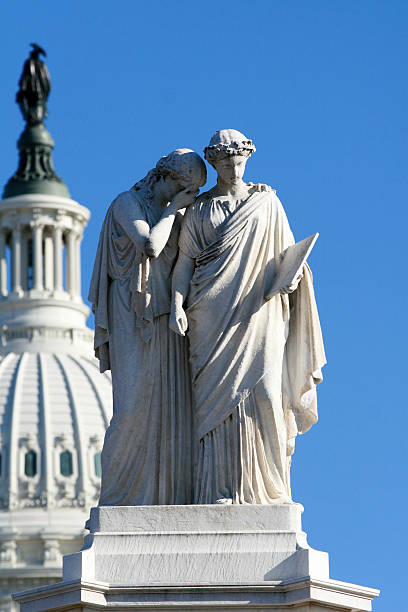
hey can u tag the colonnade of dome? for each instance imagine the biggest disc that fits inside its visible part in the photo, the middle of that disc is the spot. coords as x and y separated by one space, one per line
40 249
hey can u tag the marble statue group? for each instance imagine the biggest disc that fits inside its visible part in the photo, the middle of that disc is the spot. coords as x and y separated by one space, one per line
213 378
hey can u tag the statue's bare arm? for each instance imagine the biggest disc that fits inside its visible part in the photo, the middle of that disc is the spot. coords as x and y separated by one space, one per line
182 276
151 240
159 234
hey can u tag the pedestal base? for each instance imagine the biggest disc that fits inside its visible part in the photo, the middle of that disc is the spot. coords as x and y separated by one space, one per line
197 557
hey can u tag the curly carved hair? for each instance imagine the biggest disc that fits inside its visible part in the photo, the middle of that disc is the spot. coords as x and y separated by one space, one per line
183 165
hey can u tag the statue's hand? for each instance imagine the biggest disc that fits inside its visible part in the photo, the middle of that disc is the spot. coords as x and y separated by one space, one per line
178 321
293 286
259 187
185 197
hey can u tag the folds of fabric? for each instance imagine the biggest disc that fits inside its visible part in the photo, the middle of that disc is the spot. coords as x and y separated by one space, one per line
244 459
255 363
304 359
146 457
118 258
234 333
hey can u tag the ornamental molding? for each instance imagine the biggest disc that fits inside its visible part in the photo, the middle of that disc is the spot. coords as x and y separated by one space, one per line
8 552
30 494
8 334
52 556
60 218
66 485
95 444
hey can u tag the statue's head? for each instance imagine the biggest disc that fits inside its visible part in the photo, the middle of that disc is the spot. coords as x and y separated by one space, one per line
174 172
228 153
179 169
184 166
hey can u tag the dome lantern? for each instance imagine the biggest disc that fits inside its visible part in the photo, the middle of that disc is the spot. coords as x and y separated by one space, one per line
35 173
54 403
41 228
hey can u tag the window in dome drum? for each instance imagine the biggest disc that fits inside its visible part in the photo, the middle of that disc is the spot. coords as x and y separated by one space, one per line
30 463
66 468
97 463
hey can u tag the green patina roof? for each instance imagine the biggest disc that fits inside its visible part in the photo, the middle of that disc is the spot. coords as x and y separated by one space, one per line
35 173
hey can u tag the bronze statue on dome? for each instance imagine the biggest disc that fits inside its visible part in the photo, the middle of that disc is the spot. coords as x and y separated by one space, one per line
34 87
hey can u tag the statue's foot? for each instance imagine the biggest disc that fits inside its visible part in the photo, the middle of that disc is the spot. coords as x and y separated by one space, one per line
225 501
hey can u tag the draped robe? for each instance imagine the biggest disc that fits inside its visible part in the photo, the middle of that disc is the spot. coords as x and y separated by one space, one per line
146 452
255 363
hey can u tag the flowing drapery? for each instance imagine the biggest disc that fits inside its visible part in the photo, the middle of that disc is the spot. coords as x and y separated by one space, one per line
146 453
252 360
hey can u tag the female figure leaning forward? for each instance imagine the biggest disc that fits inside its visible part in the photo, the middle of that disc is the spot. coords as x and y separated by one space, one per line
146 453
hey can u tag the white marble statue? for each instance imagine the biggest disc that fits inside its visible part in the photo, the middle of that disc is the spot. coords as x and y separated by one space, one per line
255 362
146 454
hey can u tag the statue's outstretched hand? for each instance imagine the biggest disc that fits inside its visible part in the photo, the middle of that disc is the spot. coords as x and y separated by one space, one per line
185 197
178 321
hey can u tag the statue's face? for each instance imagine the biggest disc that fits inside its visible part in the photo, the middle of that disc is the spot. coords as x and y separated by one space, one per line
171 187
231 169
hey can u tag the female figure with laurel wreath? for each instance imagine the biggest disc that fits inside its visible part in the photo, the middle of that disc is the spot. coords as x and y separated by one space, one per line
255 361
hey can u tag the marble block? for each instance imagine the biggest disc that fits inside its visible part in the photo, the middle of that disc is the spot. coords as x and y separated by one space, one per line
189 557
195 544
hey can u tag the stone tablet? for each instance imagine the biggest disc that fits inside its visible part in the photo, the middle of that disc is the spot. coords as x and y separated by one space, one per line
293 260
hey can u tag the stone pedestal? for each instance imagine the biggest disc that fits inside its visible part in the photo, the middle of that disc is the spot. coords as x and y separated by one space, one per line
198 557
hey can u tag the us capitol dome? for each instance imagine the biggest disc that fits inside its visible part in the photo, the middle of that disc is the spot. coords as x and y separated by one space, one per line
54 403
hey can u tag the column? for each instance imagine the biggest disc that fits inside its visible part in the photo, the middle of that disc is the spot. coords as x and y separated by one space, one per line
3 264
37 257
57 239
16 260
70 263
48 263
78 264
24 260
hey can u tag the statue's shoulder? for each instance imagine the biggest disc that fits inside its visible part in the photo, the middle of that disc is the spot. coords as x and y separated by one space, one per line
261 188
203 199
193 213
268 197
126 199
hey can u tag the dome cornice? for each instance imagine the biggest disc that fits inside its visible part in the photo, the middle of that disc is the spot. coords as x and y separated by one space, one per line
59 205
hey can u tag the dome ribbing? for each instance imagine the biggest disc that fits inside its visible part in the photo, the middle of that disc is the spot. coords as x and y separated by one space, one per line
54 410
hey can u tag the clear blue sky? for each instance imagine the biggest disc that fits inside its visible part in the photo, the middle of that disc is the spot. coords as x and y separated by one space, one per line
321 88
